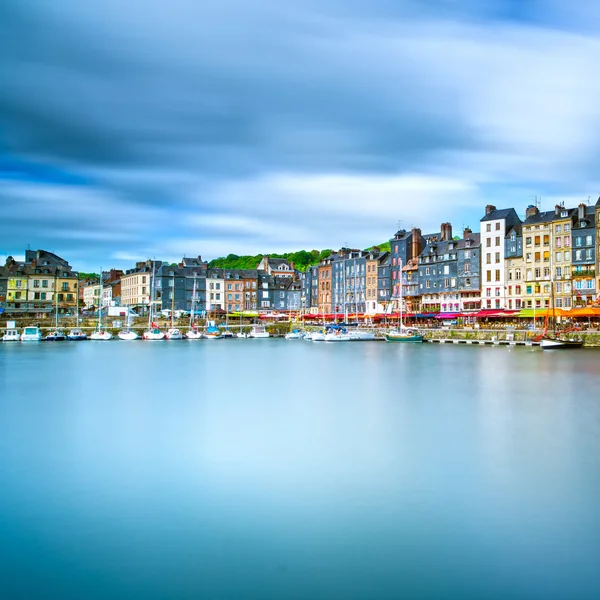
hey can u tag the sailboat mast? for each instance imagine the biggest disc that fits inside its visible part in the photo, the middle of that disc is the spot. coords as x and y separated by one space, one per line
77 299
55 301
151 297
400 273
172 299
193 302
100 302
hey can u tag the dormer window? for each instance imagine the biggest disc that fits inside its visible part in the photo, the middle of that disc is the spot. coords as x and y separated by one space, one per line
564 213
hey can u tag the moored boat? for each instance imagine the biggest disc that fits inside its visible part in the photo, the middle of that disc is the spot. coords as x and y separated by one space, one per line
56 335
194 334
101 335
153 334
259 331
213 333
294 335
76 335
174 334
11 335
127 335
558 343
403 334
31 334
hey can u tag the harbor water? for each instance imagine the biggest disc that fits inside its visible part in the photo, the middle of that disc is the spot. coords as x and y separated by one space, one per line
273 469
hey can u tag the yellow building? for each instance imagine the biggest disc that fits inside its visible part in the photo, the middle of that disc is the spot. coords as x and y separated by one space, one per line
562 225
537 253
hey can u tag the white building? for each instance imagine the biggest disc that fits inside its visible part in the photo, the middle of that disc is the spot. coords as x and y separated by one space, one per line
215 290
494 226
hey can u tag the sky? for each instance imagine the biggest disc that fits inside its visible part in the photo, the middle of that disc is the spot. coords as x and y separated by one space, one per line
170 128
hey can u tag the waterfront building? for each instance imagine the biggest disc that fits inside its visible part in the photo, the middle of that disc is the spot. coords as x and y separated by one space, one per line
277 267
438 273
561 240
411 292
400 251
468 257
136 285
514 267
215 289
325 296
3 283
583 257
372 305
597 222
494 226
384 281
310 289
293 298
16 289
537 254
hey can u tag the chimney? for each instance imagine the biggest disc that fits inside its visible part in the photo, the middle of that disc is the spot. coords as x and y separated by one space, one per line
266 267
531 211
581 211
448 231
466 233
489 208
292 265
417 243
557 208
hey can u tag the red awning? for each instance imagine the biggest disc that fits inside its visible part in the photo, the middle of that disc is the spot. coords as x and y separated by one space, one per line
494 313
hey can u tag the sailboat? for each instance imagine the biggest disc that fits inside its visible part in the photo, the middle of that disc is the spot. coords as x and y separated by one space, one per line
100 334
77 334
194 333
227 333
556 341
153 333
173 333
56 335
127 334
402 333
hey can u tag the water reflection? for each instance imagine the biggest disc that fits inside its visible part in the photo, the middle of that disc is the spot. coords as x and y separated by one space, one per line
270 469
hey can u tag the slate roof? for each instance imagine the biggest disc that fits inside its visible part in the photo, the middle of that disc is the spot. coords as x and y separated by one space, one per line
502 213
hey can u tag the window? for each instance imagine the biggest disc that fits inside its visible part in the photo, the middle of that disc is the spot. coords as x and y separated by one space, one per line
468 282
488 291
517 273
546 240
427 270
588 240
43 295
497 277
65 286
497 257
497 241
558 256
497 226
446 282
446 269
488 227
488 243
428 284
488 258
567 228
36 296
44 283
558 242
578 241
528 241
558 287
488 276
467 267
517 290
36 283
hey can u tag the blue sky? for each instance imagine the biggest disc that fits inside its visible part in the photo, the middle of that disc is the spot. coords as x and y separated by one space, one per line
170 128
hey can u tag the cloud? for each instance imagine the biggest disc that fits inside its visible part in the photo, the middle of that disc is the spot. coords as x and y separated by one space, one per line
259 126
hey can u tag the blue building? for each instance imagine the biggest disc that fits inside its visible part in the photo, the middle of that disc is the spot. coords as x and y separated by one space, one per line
583 270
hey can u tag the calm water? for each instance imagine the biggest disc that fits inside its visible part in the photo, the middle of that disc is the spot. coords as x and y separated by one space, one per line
286 469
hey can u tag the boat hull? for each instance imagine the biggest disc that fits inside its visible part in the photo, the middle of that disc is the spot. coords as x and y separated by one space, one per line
101 336
412 339
127 336
558 344
194 335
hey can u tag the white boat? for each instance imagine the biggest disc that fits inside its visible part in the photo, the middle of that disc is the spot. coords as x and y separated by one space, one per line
259 331
100 335
31 334
174 334
361 335
294 335
11 335
213 333
317 336
227 334
337 334
127 335
76 335
194 334
56 335
242 335
153 334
